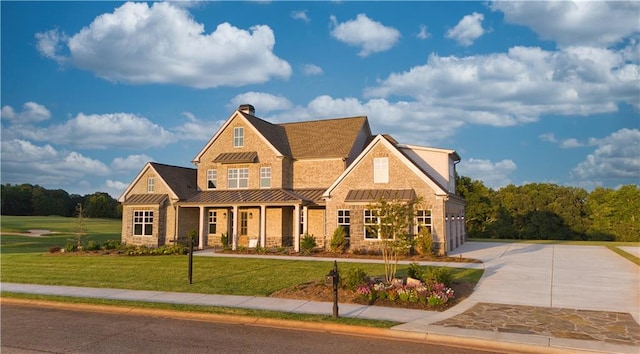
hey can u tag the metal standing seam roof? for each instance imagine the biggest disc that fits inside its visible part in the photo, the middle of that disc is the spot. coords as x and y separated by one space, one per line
371 195
236 157
252 196
149 198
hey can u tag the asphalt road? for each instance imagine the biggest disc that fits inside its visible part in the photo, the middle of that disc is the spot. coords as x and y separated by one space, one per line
27 329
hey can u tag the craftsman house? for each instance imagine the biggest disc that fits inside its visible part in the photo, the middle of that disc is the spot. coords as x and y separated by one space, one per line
266 185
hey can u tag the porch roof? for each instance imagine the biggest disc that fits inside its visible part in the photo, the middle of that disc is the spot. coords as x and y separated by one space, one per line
252 196
371 195
237 157
149 198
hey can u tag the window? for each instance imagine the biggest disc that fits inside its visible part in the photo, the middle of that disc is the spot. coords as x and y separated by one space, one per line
381 170
238 137
150 184
370 225
238 178
212 179
423 221
344 220
142 223
244 223
213 222
265 177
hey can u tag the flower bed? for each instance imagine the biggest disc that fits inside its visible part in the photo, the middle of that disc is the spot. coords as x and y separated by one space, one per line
429 294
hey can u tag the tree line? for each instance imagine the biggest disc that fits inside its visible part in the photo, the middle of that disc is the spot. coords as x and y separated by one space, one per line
34 200
549 211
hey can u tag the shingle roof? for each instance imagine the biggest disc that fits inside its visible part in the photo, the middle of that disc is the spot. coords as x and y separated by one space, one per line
371 195
150 198
252 196
274 133
236 157
181 180
324 138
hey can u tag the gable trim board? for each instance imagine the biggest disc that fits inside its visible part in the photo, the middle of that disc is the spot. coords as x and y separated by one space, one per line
148 165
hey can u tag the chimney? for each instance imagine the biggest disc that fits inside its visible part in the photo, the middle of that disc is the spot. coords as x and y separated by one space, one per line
247 109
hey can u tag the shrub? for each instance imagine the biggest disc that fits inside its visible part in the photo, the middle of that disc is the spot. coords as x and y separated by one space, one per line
307 244
439 275
111 245
338 241
224 239
354 277
92 245
415 271
71 246
424 242
54 249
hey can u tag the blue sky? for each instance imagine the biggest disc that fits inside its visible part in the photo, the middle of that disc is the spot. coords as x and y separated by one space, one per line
525 92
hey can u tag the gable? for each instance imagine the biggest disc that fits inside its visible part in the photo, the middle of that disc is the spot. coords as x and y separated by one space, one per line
174 181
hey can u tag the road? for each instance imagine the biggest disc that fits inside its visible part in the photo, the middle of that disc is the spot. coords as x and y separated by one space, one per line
27 329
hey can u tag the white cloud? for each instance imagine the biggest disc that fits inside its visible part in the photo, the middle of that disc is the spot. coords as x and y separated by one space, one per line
300 15
162 44
369 35
467 30
548 137
312 70
46 166
423 33
114 188
130 163
570 143
194 129
31 113
519 86
261 101
492 174
99 131
575 23
616 156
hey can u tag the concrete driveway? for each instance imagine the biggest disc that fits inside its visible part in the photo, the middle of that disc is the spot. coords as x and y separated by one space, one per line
560 276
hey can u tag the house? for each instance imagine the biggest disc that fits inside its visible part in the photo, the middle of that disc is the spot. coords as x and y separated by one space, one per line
265 184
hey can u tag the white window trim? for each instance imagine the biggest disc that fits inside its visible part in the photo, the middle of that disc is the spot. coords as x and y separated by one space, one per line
238 137
418 224
213 219
365 224
151 184
344 217
212 172
146 218
380 170
241 174
265 175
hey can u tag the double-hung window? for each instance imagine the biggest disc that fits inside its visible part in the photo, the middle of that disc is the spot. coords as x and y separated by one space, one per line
143 223
381 170
265 177
212 179
213 222
238 137
238 178
244 223
423 221
344 220
371 225
151 184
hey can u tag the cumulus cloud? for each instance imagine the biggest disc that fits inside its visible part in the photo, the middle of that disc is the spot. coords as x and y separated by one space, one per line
369 35
130 163
574 23
194 129
300 15
467 30
114 188
45 165
423 33
492 174
99 131
519 86
263 102
565 143
162 44
31 113
616 156
312 70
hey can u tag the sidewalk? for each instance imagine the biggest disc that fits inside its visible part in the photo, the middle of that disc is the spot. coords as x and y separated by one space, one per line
533 295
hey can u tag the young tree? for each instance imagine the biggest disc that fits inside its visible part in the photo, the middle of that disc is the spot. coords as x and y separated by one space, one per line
393 225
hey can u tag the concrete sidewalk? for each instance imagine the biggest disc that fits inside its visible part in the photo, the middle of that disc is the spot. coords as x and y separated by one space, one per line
527 278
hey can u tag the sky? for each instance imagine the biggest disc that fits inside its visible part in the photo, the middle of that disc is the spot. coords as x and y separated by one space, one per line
525 92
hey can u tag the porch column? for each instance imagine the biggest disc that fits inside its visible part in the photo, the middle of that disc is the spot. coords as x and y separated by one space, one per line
234 228
296 228
201 228
305 219
263 226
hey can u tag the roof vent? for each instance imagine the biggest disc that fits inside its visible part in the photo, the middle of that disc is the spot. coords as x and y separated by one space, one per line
247 109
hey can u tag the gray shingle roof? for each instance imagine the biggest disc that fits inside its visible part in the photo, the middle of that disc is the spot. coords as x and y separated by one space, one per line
181 180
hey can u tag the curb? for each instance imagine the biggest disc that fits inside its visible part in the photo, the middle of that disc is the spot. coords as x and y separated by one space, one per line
427 338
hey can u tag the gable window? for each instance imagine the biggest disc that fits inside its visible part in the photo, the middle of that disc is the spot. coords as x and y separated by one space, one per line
371 223
238 137
212 179
344 220
213 222
381 170
238 178
151 184
423 221
265 177
244 223
142 223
